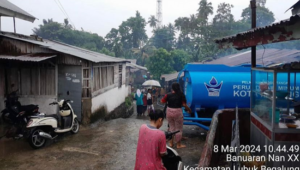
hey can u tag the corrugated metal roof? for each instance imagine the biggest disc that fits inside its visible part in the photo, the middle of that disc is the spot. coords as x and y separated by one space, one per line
135 66
296 4
292 19
169 77
263 57
11 10
33 57
65 48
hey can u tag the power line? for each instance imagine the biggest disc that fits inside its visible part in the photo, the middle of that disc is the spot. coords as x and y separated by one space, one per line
64 12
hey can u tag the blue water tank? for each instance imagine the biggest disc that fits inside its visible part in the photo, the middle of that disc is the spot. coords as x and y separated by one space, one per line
220 86
217 86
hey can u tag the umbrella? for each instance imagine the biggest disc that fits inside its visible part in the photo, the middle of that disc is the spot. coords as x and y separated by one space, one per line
153 83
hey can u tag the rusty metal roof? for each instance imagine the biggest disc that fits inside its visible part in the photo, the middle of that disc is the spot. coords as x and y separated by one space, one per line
31 57
10 10
275 32
172 76
65 48
263 57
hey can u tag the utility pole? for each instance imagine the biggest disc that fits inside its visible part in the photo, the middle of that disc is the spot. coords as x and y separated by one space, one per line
253 49
159 14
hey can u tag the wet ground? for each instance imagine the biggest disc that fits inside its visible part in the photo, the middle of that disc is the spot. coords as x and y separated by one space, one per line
107 145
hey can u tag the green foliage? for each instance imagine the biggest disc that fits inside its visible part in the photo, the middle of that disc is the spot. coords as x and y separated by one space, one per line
65 33
152 21
128 102
205 9
180 59
164 37
160 63
263 16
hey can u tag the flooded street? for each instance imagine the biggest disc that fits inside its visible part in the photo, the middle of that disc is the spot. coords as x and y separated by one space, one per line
107 145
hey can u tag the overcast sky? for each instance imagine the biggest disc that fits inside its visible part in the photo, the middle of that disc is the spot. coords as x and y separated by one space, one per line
99 16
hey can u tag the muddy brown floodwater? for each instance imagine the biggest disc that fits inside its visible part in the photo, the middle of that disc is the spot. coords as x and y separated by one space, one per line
107 145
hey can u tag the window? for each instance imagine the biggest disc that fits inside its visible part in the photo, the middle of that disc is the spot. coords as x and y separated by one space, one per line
103 77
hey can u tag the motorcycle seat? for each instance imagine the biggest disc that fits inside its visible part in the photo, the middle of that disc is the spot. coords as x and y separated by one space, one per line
53 115
28 108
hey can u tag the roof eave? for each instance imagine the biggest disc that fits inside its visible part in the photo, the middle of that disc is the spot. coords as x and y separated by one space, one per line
285 30
10 13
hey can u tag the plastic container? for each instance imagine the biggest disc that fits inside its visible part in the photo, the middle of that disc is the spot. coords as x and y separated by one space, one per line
277 115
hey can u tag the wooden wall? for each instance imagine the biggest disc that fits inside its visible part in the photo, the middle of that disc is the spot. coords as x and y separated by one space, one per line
31 78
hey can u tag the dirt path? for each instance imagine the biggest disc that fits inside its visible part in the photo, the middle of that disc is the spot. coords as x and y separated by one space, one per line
107 145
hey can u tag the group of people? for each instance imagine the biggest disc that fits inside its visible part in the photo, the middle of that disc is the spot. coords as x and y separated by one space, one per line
144 102
152 141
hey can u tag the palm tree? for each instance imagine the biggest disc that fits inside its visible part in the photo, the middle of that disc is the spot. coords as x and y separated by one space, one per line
66 24
205 9
152 21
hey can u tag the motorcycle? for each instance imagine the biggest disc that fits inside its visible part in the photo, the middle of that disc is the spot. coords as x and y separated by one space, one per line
172 161
47 127
16 116
14 112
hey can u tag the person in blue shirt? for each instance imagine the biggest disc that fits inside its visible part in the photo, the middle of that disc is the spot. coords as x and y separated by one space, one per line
139 102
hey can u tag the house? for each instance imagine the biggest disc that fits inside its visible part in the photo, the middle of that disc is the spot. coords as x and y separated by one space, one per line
168 79
295 8
137 73
45 70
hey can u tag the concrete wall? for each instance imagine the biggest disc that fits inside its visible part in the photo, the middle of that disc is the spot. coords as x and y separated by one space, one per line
42 101
111 99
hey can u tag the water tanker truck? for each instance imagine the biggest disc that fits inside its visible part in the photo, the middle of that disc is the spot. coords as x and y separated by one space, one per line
212 87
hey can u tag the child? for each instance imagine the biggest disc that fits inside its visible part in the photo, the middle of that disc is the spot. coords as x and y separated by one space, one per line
151 143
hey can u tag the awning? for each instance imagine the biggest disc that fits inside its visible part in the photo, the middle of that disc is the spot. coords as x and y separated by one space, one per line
285 30
10 10
31 57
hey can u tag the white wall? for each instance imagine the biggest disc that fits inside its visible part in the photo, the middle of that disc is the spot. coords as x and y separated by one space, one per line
111 99
43 103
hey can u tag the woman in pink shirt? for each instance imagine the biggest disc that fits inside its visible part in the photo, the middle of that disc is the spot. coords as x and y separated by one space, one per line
151 144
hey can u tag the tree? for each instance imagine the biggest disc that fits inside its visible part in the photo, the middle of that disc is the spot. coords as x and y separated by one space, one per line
224 20
224 14
67 25
261 3
180 58
164 37
160 63
63 32
152 21
264 16
205 9
106 52
132 32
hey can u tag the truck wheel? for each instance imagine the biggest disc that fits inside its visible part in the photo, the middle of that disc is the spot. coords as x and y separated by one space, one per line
75 127
35 140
